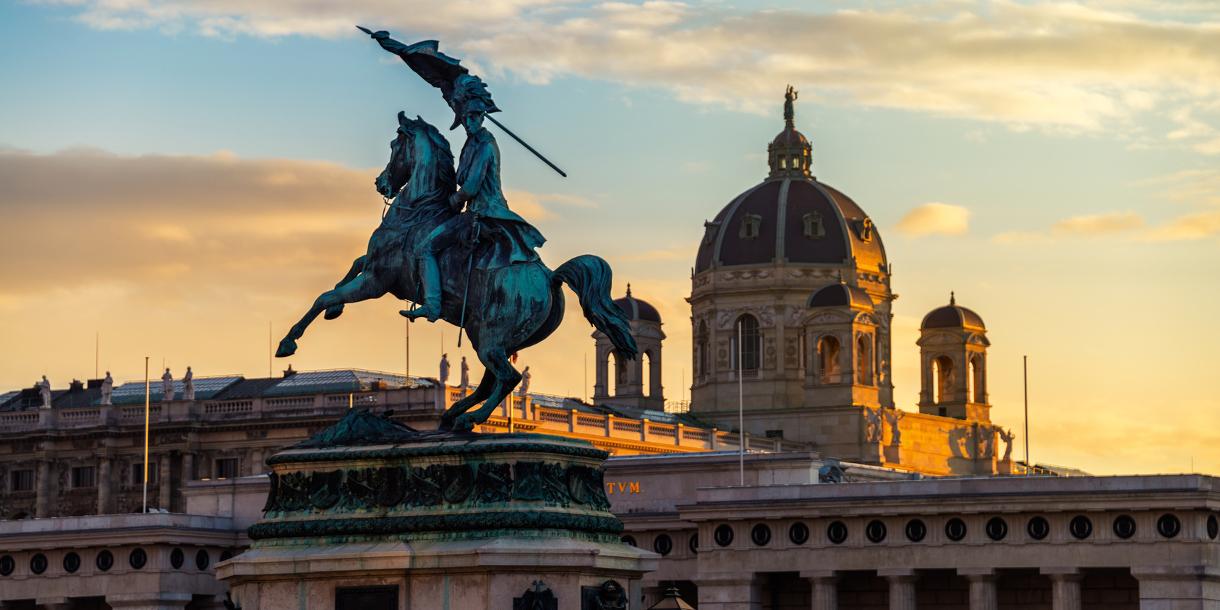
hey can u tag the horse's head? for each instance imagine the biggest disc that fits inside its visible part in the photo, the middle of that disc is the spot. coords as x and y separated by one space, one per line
419 154
397 171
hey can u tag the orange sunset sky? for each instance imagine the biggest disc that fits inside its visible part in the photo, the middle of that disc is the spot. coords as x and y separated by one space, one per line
176 176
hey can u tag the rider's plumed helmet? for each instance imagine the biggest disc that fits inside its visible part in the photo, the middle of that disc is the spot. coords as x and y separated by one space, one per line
470 95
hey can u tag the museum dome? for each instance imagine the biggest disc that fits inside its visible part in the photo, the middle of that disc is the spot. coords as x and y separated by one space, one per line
635 309
790 217
952 316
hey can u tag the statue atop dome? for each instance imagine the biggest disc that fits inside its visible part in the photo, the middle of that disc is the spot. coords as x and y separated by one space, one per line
790 153
789 116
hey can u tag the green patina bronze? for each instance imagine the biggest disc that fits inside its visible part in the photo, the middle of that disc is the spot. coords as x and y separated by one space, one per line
450 242
369 477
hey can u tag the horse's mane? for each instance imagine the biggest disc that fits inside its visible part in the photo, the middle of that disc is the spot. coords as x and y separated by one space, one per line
433 177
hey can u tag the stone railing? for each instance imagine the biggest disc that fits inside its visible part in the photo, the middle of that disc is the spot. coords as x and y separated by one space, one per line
20 421
651 435
420 402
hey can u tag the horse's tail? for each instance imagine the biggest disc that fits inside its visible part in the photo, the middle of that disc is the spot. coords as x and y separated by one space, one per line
589 277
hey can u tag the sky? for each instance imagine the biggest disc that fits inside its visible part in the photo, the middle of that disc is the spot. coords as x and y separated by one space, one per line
177 177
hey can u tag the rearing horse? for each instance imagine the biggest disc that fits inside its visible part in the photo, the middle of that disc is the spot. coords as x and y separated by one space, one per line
509 308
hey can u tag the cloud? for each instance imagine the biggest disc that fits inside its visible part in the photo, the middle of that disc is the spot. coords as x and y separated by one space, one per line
935 219
1061 66
1099 224
164 225
1190 227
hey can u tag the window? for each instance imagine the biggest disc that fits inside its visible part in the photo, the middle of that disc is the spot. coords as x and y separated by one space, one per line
828 360
226 468
942 379
977 390
749 352
864 359
83 476
137 473
21 480
750 225
814 228
701 348
864 229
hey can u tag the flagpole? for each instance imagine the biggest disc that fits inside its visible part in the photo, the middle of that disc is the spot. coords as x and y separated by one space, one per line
1025 388
147 402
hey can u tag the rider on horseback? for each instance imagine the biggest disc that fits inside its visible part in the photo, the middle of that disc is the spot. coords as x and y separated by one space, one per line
513 240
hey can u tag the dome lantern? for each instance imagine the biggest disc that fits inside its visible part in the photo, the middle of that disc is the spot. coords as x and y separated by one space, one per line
790 153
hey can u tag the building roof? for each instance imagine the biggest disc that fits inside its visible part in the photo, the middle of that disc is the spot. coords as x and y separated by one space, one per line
790 217
225 387
636 309
841 295
953 316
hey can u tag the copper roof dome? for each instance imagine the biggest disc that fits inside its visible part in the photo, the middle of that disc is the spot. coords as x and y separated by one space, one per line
636 309
953 316
791 216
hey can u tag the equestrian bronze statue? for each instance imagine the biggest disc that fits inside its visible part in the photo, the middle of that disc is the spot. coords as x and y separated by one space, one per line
450 243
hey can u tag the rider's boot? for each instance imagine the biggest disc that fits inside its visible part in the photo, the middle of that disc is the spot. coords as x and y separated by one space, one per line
431 307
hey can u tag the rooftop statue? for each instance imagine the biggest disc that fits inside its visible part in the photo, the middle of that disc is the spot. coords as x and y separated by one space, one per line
44 392
107 389
475 269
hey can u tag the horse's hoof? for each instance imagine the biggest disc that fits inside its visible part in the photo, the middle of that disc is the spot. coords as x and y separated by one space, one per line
333 312
464 423
287 348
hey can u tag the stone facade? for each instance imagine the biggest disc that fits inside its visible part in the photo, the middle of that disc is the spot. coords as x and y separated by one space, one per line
75 461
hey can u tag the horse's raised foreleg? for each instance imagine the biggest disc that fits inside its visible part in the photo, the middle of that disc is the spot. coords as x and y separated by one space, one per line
360 288
506 378
335 311
481 392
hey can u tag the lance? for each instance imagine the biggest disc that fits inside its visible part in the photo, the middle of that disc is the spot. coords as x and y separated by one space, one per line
527 146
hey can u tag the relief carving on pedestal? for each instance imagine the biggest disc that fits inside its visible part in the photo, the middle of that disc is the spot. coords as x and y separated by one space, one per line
608 596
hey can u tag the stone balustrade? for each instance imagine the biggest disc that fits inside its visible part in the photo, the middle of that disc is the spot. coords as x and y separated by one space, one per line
416 404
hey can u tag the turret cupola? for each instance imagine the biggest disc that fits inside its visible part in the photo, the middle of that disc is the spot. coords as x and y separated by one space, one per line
789 153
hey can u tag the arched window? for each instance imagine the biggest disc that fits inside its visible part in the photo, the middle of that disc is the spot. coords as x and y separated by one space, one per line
747 329
864 359
701 349
828 359
942 379
612 376
645 373
978 390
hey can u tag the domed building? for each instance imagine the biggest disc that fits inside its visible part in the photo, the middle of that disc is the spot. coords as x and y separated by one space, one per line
762 260
791 310
953 360
631 383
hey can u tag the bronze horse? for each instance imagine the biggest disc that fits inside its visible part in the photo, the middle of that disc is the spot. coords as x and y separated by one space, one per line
508 308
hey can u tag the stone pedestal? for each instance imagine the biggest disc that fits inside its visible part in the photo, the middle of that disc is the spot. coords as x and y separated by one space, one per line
370 513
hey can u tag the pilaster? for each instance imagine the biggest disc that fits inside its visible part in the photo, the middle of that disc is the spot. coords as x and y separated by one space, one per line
902 587
42 505
729 593
1065 588
825 589
104 485
1175 588
982 589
